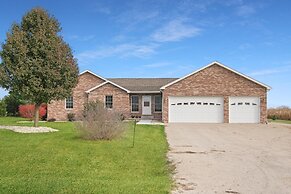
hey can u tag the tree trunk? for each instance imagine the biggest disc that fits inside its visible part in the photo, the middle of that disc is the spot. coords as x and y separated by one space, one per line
36 115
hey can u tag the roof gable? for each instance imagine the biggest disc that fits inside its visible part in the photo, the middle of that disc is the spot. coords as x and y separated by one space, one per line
107 82
221 65
87 71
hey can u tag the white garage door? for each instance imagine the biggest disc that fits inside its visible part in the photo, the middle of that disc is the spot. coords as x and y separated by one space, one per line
244 109
194 109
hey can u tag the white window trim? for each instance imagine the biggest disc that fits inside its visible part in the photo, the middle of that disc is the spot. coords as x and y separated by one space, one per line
161 104
66 103
131 104
105 102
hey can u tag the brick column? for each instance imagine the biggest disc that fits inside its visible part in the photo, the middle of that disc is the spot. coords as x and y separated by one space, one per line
263 108
165 108
226 109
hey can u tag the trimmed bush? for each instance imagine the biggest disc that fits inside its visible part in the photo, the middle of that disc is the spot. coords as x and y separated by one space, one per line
27 111
71 116
99 123
3 111
51 120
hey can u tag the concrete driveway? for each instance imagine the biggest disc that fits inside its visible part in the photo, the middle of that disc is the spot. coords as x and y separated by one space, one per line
231 158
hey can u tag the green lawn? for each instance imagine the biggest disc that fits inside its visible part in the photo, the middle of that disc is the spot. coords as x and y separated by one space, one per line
279 121
60 162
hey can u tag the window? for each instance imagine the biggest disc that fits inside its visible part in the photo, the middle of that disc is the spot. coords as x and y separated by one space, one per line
146 103
158 103
109 101
69 102
185 103
134 104
192 103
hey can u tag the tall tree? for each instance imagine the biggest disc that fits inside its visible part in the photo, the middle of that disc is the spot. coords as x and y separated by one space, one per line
36 62
13 101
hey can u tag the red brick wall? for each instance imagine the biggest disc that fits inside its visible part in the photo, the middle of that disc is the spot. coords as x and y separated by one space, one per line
57 109
216 81
121 101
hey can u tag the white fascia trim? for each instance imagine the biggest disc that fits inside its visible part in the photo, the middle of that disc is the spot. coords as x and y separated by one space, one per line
87 71
98 86
145 92
220 64
118 86
106 82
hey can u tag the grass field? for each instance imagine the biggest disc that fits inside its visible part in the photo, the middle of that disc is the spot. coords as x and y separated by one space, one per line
61 162
279 121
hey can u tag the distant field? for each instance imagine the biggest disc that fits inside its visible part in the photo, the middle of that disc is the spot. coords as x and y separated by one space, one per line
280 113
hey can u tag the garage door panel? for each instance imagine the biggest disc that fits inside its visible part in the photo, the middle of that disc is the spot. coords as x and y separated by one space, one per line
244 109
196 109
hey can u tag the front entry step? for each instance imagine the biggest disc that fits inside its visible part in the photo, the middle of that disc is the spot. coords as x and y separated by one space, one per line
147 117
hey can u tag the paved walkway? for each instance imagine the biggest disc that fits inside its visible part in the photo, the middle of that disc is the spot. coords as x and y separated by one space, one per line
149 122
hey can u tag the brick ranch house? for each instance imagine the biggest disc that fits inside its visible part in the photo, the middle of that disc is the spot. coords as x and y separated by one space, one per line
212 94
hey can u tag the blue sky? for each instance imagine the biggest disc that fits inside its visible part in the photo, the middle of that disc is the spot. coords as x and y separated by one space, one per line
152 38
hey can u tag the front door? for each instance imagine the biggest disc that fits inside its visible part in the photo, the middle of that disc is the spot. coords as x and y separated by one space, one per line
146 105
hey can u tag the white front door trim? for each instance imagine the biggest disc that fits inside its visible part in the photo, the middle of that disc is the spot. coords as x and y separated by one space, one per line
146 105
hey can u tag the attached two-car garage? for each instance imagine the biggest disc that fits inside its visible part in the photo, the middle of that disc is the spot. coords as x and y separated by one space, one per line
196 109
215 94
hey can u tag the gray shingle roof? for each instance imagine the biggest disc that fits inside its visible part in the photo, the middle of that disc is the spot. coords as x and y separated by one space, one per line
142 84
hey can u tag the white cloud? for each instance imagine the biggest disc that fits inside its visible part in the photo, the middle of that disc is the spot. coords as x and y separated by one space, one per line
245 46
265 72
178 71
101 8
271 71
136 16
245 10
81 38
104 10
175 30
122 50
157 65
